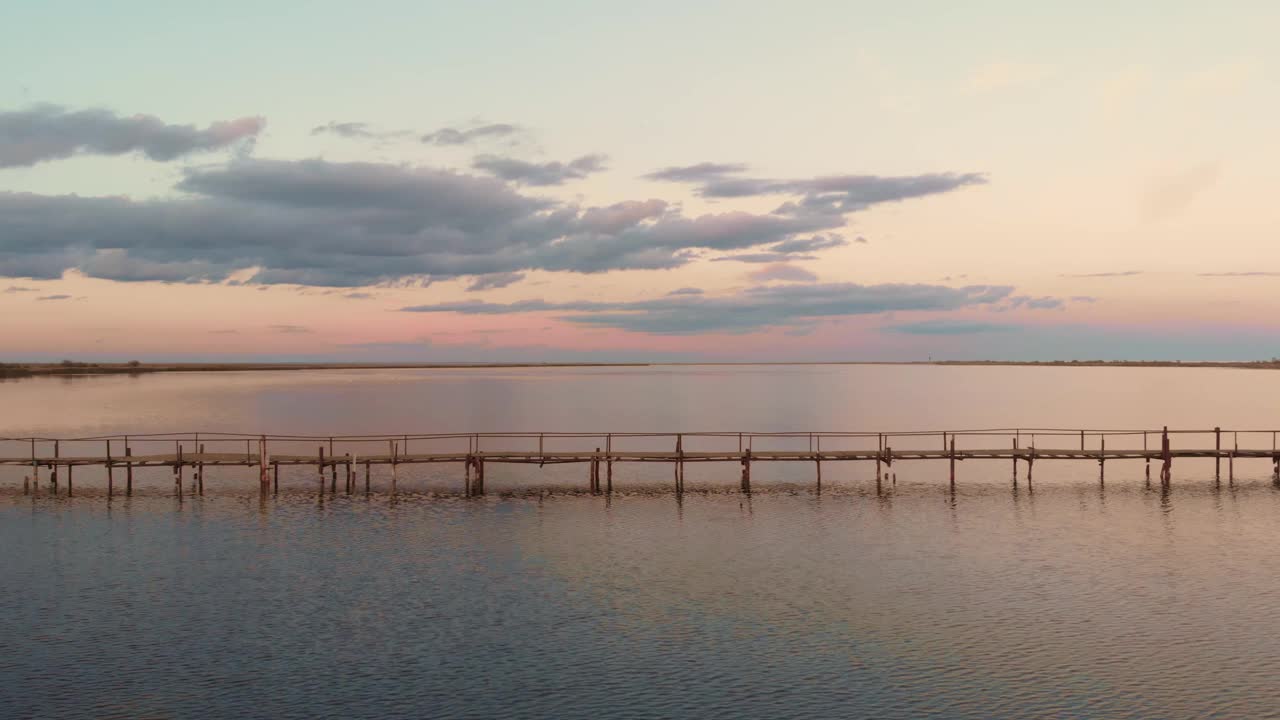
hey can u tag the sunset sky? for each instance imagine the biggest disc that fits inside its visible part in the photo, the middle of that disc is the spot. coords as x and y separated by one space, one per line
600 181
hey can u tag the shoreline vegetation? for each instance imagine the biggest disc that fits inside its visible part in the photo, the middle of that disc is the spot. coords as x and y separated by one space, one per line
134 367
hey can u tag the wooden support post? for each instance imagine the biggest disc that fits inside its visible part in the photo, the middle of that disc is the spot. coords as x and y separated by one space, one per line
53 469
1081 441
320 468
264 480
1102 460
466 472
608 462
393 470
333 470
177 473
200 472
1231 464
953 462
111 474
128 472
70 489
817 463
275 477
879 452
1146 456
1031 463
1166 471
366 476
746 471
888 462
1217 454
679 469
35 469
1015 461
350 478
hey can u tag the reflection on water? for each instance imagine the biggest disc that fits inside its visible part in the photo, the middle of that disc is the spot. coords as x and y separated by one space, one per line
1065 601
1065 598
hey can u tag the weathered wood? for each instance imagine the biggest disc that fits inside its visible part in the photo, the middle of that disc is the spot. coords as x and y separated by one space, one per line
70 489
200 474
746 471
128 470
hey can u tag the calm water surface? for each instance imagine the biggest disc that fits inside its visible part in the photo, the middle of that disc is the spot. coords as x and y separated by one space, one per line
1072 600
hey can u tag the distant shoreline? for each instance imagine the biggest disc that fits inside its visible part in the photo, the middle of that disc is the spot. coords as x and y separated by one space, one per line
19 370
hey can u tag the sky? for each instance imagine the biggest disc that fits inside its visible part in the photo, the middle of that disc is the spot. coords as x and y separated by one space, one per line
493 181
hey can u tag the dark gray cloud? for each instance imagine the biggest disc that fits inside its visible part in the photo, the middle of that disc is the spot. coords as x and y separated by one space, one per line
783 272
949 327
702 172
540 174
762 257
1125 273
358 296
493 281
686 291
838 194
1253 273
19 289
290 329
808 245
54 297
50 132
454 136
751 309
317 223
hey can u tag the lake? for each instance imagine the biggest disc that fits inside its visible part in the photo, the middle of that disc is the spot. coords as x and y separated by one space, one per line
1069 599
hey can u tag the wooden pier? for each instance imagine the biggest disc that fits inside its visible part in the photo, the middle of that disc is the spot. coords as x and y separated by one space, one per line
350 459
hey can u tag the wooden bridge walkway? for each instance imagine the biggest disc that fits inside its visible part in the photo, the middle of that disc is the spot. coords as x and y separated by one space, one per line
349 455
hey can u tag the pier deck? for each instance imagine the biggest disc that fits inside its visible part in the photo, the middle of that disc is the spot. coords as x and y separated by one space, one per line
602 450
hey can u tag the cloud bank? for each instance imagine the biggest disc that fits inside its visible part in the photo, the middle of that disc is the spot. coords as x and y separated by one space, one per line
752 309
318 223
